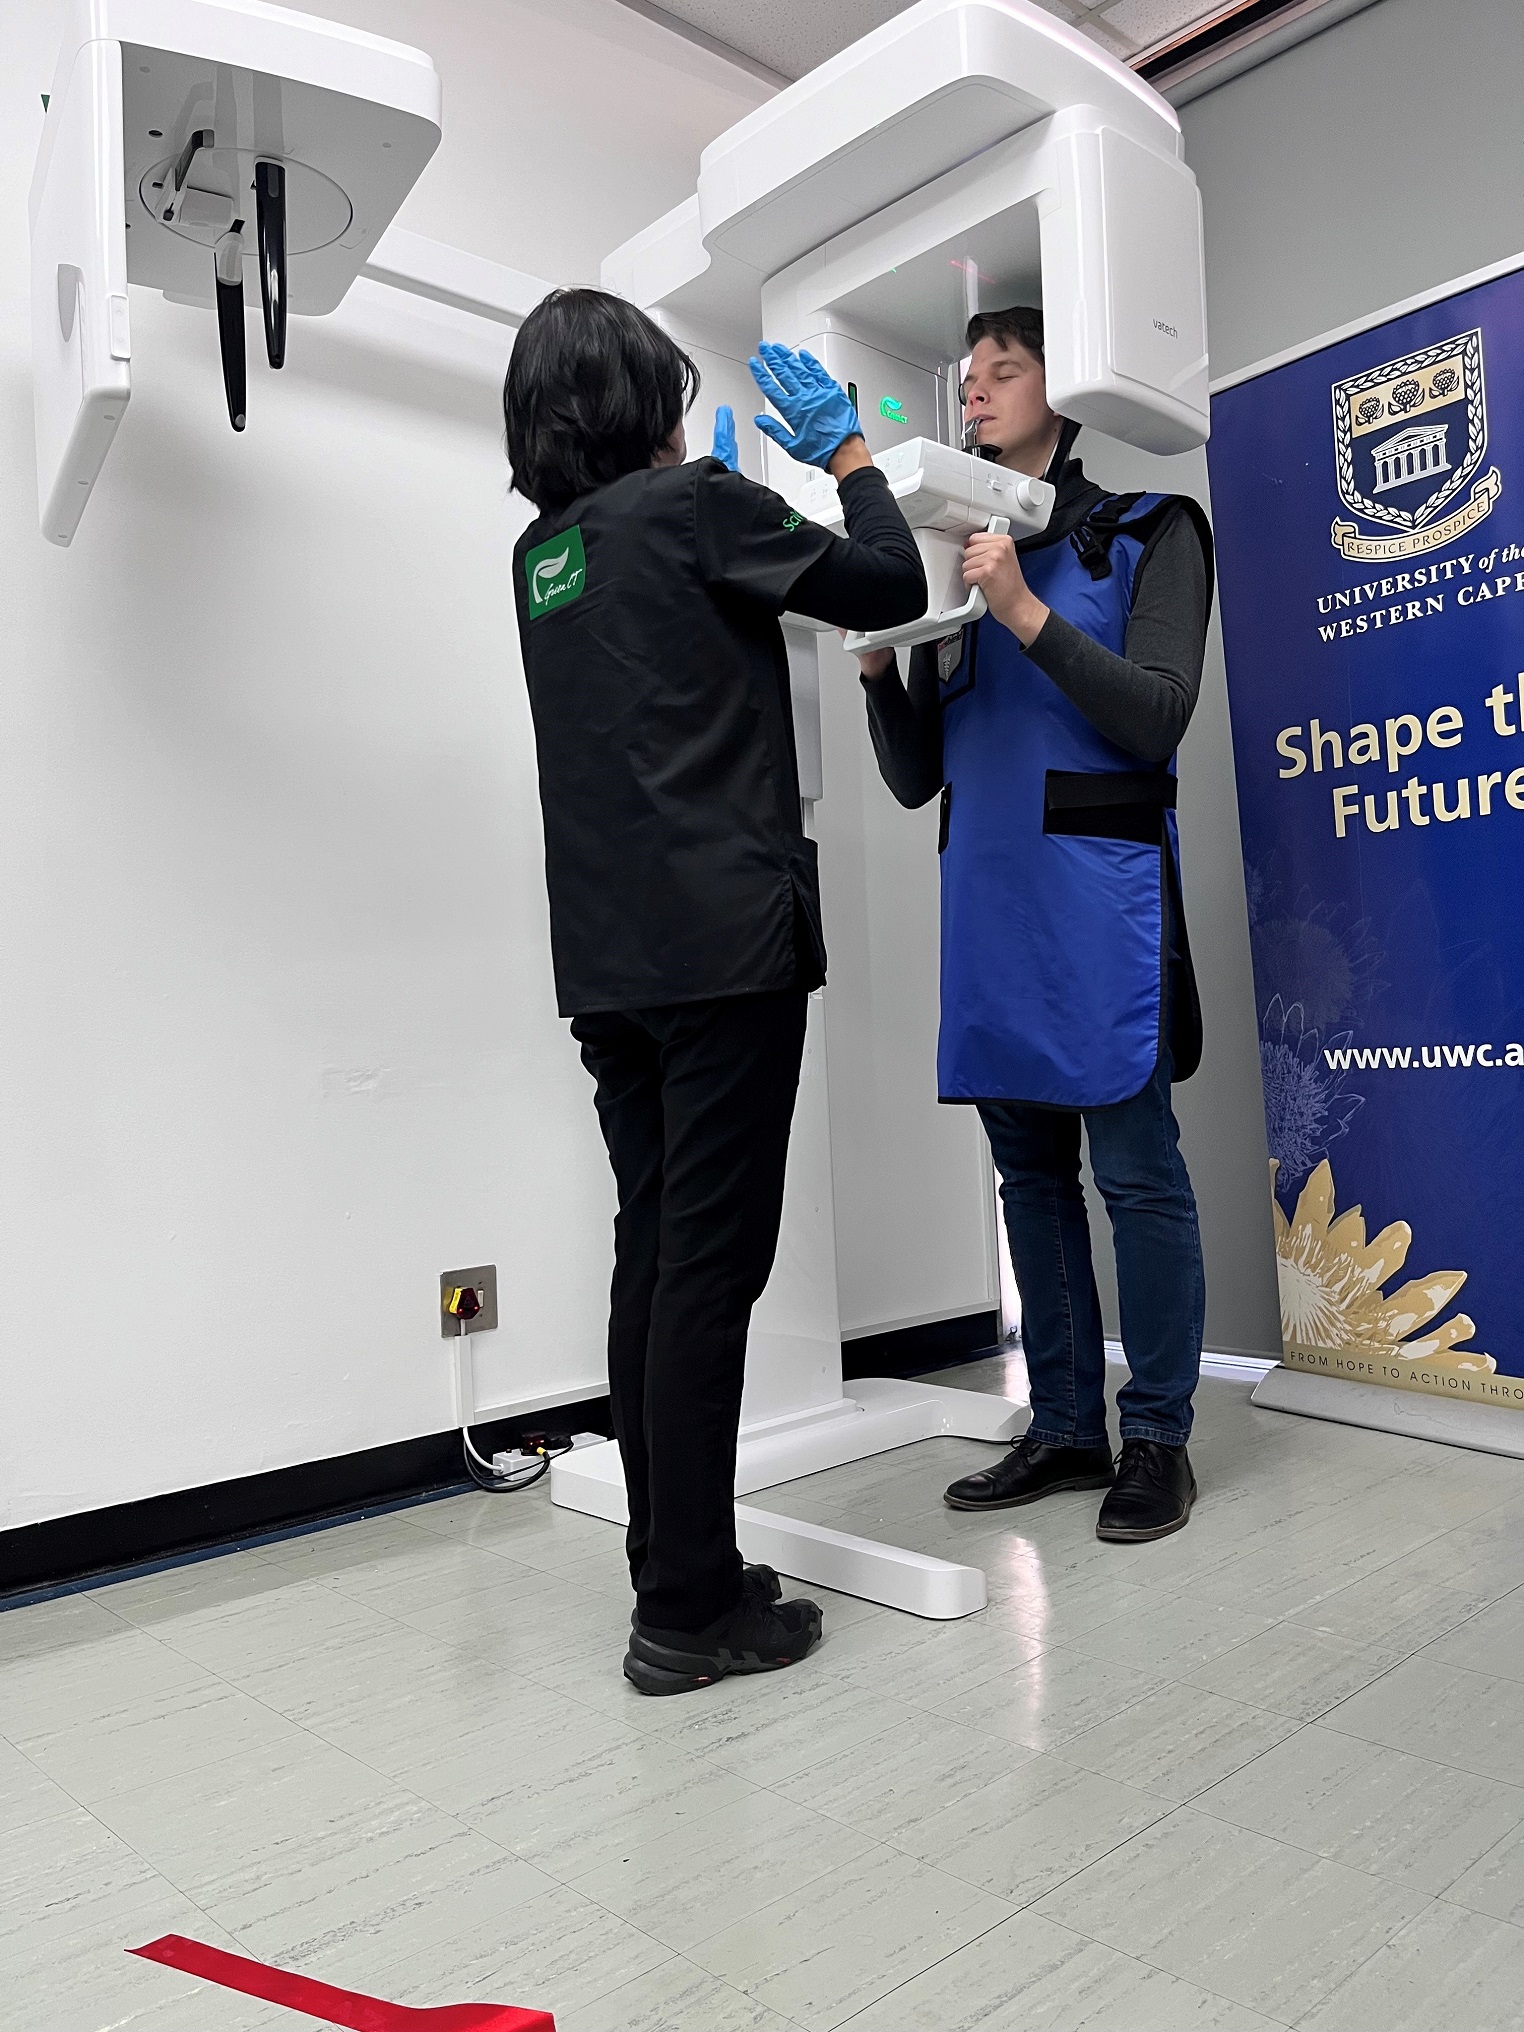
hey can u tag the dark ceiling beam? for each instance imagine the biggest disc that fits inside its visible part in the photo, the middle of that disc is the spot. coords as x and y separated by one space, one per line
1236 40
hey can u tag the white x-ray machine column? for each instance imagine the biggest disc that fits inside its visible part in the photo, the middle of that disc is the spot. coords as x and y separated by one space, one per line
969 152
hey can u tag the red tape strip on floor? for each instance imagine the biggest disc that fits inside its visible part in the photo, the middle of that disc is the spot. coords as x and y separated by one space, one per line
337 2007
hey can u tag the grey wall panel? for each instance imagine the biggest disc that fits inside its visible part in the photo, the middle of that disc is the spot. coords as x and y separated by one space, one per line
1379 159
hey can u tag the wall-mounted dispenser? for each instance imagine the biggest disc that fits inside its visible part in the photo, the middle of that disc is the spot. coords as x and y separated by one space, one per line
184 141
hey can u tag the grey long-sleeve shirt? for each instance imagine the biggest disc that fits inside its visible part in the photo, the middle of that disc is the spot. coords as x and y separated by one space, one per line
1141 700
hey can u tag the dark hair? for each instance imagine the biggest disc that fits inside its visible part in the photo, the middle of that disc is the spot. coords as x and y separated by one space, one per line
1022 322
594 390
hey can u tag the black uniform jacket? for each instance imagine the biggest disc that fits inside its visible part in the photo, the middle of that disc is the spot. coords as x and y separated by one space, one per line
675 856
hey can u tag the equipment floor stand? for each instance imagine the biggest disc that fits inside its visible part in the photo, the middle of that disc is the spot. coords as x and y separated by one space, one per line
878 1415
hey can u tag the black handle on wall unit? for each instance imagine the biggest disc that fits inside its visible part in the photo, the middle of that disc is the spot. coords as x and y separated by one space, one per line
270 193
228 262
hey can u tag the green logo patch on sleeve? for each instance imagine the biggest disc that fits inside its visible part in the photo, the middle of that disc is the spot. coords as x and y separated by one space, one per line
555 573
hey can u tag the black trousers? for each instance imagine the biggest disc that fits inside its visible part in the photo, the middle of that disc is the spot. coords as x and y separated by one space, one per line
695 1102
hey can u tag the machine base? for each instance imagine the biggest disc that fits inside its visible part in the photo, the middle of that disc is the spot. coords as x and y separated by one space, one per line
1485 1428
880 1414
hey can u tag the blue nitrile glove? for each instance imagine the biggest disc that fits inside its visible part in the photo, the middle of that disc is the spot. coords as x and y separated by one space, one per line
815 409
725 448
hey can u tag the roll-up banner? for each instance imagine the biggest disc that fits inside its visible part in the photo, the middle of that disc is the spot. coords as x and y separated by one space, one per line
1368 498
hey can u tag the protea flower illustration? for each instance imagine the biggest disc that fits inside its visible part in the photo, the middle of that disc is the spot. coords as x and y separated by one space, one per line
1306 1104
1309 950
1331 1292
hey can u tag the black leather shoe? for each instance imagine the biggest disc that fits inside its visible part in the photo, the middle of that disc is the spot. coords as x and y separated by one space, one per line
1031 1470
1151 1496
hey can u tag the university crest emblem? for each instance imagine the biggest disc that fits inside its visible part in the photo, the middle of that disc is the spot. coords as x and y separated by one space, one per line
1409 437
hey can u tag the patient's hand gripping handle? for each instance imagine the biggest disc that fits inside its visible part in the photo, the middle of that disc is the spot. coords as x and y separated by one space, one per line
931 627
974 608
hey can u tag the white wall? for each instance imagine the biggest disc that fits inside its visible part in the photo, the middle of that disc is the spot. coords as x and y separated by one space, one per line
277 1036
568 124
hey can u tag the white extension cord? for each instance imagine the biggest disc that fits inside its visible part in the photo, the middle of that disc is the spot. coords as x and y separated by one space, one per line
510 1468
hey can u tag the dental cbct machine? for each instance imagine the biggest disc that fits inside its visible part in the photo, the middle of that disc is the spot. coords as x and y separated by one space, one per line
189 144
970 153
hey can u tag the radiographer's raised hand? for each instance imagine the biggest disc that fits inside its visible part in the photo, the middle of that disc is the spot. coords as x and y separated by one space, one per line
726 449
820 424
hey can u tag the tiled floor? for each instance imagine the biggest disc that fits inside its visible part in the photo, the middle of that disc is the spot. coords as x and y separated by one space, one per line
1267 1773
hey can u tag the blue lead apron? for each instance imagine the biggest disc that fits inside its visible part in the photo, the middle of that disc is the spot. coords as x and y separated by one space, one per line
1058 863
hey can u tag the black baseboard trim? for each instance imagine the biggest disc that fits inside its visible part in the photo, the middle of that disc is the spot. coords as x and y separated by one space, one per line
921 1350
68 1554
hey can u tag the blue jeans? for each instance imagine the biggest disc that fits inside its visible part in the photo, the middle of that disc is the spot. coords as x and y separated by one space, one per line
1135 1156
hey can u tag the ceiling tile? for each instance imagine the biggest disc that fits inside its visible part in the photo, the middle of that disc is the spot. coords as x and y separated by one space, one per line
1145 22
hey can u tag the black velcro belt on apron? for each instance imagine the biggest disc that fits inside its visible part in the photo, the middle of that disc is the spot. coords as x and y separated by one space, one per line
1123 804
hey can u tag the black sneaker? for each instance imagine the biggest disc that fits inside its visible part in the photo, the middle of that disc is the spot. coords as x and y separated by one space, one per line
761 1580
1030 1470
1151 1496
757 1635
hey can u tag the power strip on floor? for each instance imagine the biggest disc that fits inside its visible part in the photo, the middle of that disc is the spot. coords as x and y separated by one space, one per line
513 1462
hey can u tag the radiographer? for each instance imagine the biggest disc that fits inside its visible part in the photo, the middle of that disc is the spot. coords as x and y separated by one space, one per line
684 901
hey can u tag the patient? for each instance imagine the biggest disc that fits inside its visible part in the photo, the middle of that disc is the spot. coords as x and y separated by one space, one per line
1049 729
